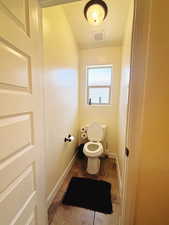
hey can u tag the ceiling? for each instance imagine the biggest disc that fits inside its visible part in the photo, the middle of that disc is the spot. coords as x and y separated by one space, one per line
109 33
48 3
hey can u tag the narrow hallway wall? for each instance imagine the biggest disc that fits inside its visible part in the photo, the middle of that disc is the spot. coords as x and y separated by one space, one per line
61 93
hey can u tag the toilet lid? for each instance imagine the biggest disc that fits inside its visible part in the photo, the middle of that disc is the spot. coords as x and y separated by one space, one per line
95 132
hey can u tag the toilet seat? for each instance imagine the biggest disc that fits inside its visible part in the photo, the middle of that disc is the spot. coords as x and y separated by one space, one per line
93 149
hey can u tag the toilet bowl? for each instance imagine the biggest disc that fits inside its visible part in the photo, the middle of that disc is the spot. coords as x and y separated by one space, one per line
93 149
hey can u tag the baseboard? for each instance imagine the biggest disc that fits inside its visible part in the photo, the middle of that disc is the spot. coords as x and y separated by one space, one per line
112 155
115 156
119 176
60 182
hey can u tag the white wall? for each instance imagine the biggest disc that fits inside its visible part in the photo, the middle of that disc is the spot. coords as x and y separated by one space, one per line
103 114
61 92
124 87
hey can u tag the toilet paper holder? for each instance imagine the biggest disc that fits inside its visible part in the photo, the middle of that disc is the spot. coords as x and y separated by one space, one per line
69 138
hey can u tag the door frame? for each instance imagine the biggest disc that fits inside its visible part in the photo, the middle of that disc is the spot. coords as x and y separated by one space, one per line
138 76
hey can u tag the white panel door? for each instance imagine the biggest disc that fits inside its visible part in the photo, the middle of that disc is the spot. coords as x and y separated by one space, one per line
22 197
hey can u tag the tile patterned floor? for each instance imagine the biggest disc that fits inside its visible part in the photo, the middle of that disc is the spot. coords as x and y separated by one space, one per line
60 214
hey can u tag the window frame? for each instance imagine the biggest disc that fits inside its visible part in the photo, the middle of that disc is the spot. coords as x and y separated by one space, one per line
99 86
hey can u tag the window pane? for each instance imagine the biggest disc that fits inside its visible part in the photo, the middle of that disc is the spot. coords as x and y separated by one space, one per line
99 76
99 95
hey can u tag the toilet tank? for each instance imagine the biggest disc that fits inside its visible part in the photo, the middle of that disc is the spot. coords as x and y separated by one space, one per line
104 127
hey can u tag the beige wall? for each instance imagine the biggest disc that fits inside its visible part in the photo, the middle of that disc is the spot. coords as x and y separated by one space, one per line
124 86
61 92
152 203
103 114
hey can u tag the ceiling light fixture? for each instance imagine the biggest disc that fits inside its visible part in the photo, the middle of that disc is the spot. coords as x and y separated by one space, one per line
95 11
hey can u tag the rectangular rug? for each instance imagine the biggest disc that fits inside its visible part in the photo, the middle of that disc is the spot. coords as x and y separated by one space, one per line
89 194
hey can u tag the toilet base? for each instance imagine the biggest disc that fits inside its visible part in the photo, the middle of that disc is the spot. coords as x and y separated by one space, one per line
93 165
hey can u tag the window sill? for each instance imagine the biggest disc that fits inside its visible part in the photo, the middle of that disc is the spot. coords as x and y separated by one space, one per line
93 105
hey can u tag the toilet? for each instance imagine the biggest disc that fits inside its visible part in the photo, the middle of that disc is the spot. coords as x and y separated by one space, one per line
94 148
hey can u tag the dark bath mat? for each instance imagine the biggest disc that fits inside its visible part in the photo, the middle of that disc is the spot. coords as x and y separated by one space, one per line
89 194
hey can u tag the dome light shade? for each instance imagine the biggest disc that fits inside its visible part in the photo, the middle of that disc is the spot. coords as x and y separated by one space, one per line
95 12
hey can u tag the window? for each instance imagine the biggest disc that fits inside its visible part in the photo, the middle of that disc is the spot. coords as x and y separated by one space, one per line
99 79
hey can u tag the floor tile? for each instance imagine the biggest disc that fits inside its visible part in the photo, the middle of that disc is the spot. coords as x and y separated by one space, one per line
109 219
67 215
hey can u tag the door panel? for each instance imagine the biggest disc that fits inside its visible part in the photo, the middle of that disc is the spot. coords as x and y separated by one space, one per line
18 131
16 7
20 77
15 166
15 195
28 214
22 199
18 11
